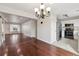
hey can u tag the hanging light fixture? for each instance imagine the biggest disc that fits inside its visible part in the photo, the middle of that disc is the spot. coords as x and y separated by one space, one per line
42 12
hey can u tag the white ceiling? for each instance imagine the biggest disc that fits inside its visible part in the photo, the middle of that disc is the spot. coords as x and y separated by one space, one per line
14 19
27 7
72 9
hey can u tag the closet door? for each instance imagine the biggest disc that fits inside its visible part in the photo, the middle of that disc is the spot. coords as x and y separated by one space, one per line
2 32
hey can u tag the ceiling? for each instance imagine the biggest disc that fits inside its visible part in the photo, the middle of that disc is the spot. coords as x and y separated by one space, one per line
59 9
14 19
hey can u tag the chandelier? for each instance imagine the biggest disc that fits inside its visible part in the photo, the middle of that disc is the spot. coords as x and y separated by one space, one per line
42 12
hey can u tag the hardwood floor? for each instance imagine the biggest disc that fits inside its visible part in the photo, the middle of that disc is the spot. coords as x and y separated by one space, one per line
19 45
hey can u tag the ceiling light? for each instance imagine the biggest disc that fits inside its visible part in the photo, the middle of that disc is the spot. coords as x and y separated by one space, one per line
42 12
42 6
36 9
48 8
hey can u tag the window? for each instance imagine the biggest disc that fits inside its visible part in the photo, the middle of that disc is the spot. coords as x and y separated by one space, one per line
14 28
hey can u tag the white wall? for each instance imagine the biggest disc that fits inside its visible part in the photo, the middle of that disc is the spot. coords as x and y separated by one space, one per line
7 28
29 28
53 28
43 30
47 31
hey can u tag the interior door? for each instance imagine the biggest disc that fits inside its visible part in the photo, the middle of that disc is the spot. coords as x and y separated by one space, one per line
2 32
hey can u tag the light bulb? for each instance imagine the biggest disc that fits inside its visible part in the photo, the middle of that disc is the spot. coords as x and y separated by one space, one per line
36 9
38 12
48 9
44 13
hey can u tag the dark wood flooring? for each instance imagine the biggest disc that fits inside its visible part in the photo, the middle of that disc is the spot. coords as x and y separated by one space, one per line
19 45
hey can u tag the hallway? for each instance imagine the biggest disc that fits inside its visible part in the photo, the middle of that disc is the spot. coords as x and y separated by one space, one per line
19 45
